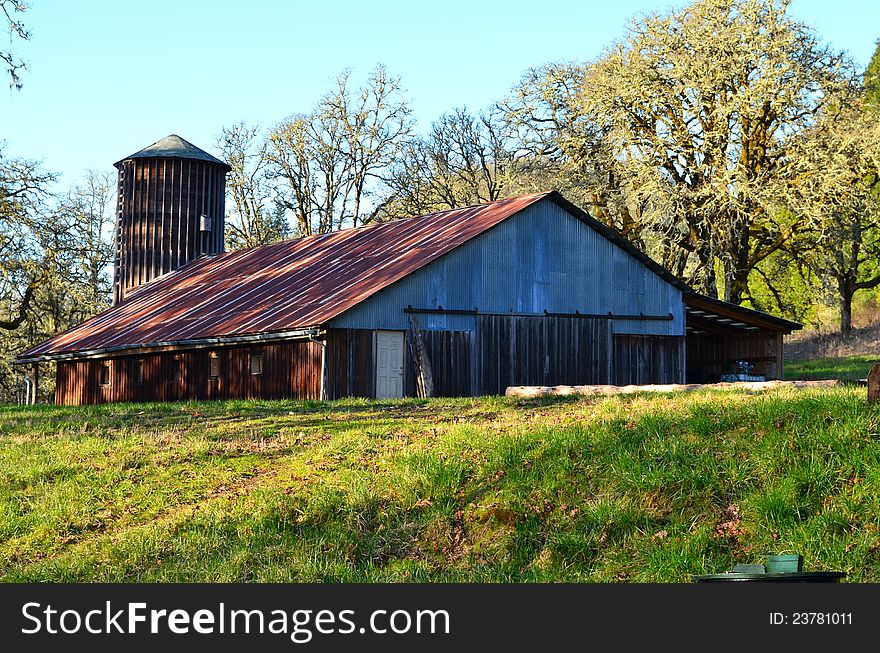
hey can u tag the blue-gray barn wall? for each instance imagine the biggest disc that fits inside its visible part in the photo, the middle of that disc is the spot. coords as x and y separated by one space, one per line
542 258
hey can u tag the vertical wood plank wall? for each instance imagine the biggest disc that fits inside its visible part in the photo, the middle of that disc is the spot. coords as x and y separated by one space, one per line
641 360
503 351
290 370
351 370
452 363
541 351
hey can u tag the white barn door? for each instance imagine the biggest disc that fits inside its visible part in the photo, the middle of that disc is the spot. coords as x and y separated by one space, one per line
389 364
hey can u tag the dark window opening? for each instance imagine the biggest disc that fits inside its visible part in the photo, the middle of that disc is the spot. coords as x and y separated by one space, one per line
139 371
214 359
176 368
104 374
256 362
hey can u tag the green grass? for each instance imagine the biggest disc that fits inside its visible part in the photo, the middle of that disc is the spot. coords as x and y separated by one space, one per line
629 488
847 368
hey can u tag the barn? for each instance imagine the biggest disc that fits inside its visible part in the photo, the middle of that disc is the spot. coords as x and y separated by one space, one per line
529 290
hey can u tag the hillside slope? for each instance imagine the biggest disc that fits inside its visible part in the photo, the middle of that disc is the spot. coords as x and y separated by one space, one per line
628 488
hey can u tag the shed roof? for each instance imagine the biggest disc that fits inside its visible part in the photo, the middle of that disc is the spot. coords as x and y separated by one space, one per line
708 313
173 147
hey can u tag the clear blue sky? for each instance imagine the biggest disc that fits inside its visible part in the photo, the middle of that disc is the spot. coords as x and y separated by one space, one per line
108 77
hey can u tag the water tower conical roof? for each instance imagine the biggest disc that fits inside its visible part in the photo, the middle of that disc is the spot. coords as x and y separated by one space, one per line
173 147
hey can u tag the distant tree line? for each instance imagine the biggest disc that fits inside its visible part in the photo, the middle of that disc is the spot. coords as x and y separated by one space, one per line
724 139
55 258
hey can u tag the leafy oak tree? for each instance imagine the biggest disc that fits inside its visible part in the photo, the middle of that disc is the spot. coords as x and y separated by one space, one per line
700 106
832 185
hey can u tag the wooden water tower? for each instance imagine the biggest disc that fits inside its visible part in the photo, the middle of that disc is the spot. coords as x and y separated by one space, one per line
170 211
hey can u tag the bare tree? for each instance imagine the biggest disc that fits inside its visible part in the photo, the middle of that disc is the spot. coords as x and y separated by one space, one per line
329 163
16 28
81 284
464 160
252 221
376 125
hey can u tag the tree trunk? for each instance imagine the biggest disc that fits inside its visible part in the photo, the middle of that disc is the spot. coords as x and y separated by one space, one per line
846 289
846 313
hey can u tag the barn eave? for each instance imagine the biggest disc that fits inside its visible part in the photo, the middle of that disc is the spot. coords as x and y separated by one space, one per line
178 345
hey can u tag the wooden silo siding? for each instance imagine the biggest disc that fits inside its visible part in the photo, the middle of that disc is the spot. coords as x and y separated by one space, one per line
350 361
711 355
640 360
159 205
290 370
540 351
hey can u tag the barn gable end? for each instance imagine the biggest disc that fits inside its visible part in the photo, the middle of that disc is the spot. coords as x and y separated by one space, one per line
541 259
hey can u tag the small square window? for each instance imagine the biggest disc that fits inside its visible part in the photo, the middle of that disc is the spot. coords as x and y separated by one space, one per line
214 360
104 373
256 362
139 371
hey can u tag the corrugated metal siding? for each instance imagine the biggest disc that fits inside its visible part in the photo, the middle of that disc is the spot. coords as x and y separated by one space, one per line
541 259
290 370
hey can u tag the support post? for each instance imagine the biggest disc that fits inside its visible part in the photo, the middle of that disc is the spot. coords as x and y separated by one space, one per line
35 382
323 395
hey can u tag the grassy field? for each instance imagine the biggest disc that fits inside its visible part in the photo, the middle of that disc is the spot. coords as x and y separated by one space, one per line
629 488
845 368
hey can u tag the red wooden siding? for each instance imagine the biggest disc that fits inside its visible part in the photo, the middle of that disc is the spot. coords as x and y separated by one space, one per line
290 370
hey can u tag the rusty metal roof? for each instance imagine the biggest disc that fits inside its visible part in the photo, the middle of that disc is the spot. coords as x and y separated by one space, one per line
276 288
